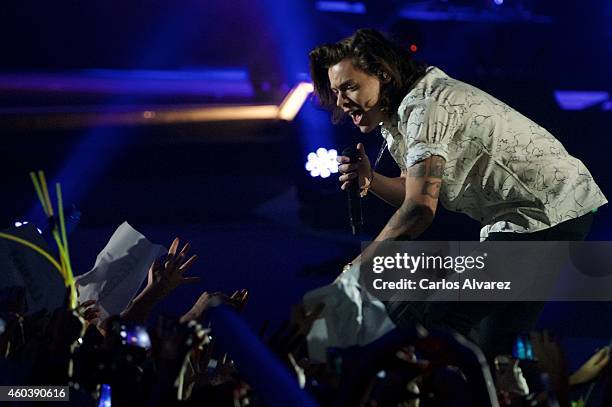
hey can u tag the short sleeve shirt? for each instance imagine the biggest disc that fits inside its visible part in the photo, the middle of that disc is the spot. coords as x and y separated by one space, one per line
502 169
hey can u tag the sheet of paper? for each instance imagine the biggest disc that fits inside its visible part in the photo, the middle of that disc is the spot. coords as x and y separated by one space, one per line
119 271
351 316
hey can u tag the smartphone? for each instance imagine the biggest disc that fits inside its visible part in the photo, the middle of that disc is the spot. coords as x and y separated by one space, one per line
136 335
522 348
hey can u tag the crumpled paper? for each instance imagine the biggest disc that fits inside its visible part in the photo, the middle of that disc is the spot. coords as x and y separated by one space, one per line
119 271
351 316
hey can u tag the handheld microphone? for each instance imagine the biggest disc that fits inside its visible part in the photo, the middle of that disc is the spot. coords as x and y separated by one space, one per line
353 197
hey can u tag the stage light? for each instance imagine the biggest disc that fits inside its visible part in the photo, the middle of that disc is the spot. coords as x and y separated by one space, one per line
498 2
341 7
580 100
294 100
128 116
322 163
413 48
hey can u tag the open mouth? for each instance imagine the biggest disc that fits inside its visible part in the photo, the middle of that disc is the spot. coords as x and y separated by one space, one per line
356 115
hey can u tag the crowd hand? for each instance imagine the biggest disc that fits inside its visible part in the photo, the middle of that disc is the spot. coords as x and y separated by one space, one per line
302 319
172 344
350 171
591 368
237 301
65 325
88 311
290 335
224 371
551 359
165 275
408 356
509 380
174 341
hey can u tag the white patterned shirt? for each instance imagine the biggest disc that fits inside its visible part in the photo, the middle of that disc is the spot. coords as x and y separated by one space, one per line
502 169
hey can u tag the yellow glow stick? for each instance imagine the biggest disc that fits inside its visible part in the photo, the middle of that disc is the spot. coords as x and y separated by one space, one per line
69 276
43 184
61 253
60 211
33 247
59 233
39 192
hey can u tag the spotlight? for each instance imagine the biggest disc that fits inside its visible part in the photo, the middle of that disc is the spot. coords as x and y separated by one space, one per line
498 2
322 163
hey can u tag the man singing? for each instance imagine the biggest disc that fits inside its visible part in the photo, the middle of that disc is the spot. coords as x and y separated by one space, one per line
458 145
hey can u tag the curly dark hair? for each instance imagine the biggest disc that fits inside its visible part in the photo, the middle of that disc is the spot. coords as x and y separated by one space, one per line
370 51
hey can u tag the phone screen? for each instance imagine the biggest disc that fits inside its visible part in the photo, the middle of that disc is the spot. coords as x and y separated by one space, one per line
523 349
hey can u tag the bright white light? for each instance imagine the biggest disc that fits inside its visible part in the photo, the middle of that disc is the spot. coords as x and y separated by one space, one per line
294 100
18 224
322 163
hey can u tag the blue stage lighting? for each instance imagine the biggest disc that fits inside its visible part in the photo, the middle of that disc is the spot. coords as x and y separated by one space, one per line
341 7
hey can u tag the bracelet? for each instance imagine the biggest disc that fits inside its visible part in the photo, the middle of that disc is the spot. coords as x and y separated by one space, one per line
366 187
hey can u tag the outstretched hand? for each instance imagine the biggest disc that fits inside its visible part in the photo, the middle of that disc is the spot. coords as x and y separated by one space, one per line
166 273
591 368
237 300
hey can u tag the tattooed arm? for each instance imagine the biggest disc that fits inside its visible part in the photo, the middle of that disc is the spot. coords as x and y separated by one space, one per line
415 214
423 183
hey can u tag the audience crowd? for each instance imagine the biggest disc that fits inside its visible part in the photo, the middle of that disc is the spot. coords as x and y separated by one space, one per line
127 359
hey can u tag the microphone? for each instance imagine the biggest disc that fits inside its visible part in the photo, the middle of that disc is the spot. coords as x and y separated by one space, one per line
353 197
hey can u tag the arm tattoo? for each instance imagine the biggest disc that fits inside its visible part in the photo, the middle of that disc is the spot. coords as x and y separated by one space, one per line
431 168
436 168
406 217
417 170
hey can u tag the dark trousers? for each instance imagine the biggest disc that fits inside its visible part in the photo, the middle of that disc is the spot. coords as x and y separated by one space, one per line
492 325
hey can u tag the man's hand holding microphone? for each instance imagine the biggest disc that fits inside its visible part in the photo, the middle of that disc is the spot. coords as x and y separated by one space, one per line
352 169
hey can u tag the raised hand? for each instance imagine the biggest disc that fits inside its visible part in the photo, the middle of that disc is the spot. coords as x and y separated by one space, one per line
237 300
591 368
551 360
167 274
88 311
